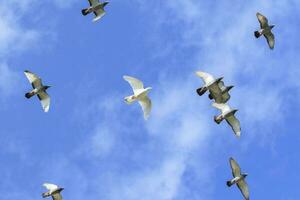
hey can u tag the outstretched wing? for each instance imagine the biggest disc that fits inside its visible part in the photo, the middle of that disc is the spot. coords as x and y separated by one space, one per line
270 39
99 14
222 107
45 101
33 79
57 196
207 78
50 186
93 2
146 105
236 170
262 20
235 125
135 83
242 185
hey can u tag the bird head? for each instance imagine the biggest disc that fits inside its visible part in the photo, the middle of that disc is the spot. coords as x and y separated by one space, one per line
229 87
272 26
245 175
47 86
149 88
219 79
234 111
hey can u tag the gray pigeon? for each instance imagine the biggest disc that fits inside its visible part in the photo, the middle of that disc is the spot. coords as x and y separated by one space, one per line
238 178
266 30
228 114
53 191
38 89
97 8
217 90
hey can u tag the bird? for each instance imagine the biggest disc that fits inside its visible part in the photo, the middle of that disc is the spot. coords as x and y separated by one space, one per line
97 8
238 179
228 114
53 191
38 89
265 30
140 95
217 90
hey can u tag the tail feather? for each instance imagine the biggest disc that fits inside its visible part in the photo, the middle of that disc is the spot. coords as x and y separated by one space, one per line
201 91
28 95
257 34
228 183
46 194
129 99
85 11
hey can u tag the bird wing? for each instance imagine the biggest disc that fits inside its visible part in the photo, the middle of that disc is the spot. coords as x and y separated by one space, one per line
146 105
262 20
45 101
57 196
222 107
135 83
270 39
33 79
216 92
242 185
207 78
50 186
235 124
100 12
236 170
93 2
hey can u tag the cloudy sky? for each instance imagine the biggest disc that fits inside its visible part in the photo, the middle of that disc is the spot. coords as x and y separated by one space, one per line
97 147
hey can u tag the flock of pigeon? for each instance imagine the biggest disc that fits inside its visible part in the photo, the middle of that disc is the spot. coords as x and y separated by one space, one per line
216 88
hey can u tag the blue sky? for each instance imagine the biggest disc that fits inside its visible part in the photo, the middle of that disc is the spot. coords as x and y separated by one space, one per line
97 147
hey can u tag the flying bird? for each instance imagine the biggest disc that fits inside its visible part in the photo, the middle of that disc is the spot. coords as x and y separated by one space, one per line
38 89
228 114
97 8
139 94
53 191
265 30
238 178
217 90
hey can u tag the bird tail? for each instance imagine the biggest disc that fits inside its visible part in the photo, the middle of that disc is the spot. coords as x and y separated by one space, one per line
85 11
129 99
218 119
28 95
201 91
257 34
45 194
229 184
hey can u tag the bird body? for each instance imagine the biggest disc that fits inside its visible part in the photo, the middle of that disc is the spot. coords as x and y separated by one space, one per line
38 89
140 94
228 114
265 30
238 179
97 8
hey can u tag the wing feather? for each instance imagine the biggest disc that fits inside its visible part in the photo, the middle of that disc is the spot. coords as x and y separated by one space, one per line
236 170
235 125
206 77
135 83
270 39
242 185
33 79
57 196
262 20
146 105
50 186
45 100
93 2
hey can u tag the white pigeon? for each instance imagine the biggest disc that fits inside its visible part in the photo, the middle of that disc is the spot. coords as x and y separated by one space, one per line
238 179
53 191
217 90
38 89
139 94
228 114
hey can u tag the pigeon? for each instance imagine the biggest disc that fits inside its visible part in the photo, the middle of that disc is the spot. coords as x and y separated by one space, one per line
228 114
97 8
140 94
238 178
53 191
266 30
38 89
217 90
